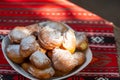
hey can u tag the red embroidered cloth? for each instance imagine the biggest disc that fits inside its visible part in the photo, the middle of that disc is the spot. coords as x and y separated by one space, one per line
99 31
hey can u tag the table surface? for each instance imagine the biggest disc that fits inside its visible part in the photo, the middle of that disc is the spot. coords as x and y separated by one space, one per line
100 33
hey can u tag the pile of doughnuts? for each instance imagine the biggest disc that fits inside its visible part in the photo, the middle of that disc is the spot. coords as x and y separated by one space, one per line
47 50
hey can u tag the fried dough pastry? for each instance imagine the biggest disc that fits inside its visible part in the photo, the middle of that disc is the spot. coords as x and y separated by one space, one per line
41 74
79 57
55 25
18 33
81 41
59 73
63 60
40 60
69 41
28 45
33 28
14 54
38 73
50 38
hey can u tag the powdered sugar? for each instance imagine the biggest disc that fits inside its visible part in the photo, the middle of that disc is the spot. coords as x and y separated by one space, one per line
19 32
80 36
39 58
55 25
27 42
63 58
14 49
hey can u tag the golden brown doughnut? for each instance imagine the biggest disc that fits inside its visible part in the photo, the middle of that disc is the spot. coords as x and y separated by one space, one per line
38 73
33 28
18 33
28 45
81 41
41 74
40 60
55 25
59 73
14 54
63 60
50 38
69 41
79 57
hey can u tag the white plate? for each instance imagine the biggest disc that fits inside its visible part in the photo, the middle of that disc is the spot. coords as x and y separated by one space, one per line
16 67
6 42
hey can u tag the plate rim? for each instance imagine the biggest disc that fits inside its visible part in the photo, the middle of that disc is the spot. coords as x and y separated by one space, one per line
88 59
13 65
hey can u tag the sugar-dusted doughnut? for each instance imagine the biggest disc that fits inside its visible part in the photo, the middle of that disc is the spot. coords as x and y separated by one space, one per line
63 60
18 33
81 41
50 38
40 60
69 41
14 54
28 46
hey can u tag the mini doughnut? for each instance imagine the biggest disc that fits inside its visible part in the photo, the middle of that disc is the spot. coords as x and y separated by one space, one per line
81 41
50 38
18 33
33 28
69 41
41 74
14 54
59 73
40 60
28 46
79 57
55 25
63 60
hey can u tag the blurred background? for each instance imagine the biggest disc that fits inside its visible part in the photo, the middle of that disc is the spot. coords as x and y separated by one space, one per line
108 9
